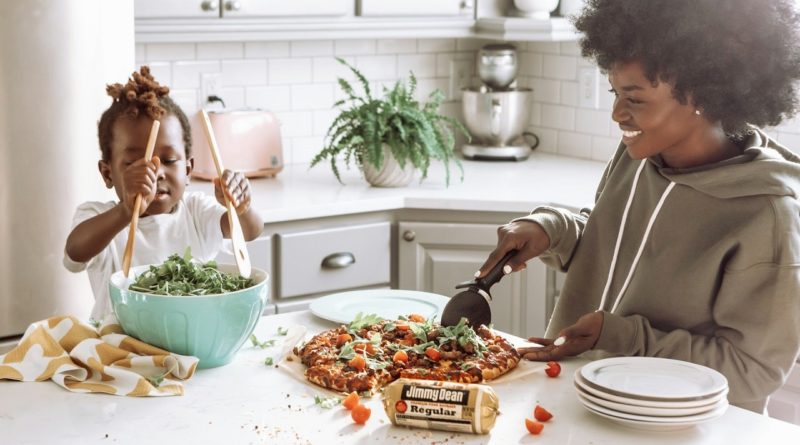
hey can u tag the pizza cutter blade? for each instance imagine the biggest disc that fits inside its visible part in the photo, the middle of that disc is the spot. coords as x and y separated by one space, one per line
473 303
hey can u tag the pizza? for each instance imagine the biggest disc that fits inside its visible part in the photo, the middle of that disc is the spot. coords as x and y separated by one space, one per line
371 352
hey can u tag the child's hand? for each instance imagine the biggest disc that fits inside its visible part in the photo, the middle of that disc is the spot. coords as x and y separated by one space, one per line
236 187
140 178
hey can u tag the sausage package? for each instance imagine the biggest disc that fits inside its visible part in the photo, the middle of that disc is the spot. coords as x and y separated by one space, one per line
465 408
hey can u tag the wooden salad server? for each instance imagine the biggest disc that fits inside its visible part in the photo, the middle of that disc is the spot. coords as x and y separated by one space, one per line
137 205
237 236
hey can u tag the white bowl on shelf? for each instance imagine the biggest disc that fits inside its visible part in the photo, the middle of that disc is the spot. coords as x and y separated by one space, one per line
535 9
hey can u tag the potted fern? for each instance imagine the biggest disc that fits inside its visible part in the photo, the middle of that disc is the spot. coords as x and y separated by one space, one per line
391 137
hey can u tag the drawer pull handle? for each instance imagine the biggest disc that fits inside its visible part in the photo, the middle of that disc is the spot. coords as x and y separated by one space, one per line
409 235
338 260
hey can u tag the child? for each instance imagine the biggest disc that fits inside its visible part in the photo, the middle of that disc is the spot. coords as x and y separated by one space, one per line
692 249
171 220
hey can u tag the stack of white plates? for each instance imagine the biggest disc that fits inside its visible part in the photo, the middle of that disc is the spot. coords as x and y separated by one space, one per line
652 393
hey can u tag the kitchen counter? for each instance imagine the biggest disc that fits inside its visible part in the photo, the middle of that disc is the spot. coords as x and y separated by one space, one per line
298 192
248 402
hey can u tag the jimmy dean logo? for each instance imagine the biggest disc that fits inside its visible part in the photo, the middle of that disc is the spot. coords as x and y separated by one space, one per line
428 394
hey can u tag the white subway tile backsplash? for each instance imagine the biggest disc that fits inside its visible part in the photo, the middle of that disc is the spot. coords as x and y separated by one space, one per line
530 64
258 50
603 148
305 148
358 47
220 50
544 47
312 96
574 144
595 122
789 140
323 120
558 117
162 72
328 69
308 48
547 91
296 123
288 71
443 62
423 65
271 98
233 97
470 45
536 114
569 48
427 86
186 99
186 74
397 46
141 53
244 72
560 67
436 45
170 51
548 139
377 67
569 94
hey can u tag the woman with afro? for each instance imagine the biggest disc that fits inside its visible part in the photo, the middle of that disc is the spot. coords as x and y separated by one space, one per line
692 248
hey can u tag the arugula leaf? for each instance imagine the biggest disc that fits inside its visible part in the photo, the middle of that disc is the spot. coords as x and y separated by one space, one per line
185 276
361 321
282 330
268 361
156 380
261 344
347 352
419 331
327 402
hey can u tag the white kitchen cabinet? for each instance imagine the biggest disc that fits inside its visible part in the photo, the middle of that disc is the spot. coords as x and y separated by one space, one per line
293 8
260 252
415 8
435 256
148 9
784 404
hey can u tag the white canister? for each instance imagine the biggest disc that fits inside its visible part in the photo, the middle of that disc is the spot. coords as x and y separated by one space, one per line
570 7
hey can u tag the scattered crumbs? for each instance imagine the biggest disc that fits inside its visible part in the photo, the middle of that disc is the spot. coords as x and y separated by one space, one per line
276 366
289 359
287 395
106 435
290 406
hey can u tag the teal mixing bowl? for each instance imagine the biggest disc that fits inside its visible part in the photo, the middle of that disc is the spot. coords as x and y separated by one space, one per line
209 327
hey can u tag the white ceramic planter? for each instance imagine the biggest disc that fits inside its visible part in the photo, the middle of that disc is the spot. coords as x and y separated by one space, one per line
536 9
390 174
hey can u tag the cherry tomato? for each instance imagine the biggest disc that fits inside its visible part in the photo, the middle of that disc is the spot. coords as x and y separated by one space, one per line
533 426
400 356
342 339
416 318
360 414
351 400
358 363
433 354
541 414
553 369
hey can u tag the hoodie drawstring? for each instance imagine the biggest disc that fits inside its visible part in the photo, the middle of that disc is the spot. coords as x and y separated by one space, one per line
619 239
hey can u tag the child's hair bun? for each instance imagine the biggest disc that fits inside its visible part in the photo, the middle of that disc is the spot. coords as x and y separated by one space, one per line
141 94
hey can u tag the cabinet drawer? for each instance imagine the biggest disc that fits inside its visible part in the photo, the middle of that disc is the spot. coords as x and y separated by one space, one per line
331 259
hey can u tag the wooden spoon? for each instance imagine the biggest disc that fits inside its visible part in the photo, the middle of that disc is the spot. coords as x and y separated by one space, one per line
137 205
237 236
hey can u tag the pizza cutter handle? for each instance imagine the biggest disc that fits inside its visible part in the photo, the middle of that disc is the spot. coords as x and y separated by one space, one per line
495 274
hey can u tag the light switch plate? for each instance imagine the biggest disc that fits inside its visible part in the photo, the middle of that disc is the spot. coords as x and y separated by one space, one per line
589 88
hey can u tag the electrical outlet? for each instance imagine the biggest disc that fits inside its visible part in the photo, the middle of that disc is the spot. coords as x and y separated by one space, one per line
589 88
460 75
209 86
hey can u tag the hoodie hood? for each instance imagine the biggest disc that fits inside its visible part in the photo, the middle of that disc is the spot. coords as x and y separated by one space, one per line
764 168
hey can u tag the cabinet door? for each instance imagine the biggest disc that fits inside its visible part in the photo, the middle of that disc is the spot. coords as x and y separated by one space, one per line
149 9
434 257
415 8
282 8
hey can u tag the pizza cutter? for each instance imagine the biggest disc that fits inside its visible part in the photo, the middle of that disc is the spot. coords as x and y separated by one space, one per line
473 303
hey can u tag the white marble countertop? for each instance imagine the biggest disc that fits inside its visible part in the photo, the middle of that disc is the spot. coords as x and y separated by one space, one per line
247 402
298 192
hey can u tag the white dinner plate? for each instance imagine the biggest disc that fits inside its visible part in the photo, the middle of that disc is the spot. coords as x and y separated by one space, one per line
648 421
578 380
647 410
387 303
653 378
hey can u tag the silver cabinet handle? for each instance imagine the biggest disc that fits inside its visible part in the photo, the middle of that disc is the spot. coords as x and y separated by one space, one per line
209 5
233 6
409 235
338 260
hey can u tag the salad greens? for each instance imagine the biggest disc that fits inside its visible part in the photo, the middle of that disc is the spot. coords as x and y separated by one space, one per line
327 402
183 276
261 344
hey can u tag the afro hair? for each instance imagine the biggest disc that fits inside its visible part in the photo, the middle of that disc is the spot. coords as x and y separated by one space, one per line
738 60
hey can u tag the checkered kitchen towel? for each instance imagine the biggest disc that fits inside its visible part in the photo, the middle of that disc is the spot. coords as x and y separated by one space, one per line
80 358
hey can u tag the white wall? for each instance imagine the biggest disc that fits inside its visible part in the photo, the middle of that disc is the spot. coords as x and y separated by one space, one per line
297 81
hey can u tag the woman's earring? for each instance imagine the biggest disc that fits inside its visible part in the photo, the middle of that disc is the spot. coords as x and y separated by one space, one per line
697 112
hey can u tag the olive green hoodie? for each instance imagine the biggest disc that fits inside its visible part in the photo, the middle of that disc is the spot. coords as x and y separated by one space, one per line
716 281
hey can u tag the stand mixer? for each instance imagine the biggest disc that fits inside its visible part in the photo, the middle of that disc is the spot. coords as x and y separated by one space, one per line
496 113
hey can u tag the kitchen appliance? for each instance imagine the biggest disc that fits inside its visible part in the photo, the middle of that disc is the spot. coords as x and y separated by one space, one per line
473 303
248 140
497 112
57 58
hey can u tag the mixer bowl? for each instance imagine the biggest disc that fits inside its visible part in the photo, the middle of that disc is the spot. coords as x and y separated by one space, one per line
496 118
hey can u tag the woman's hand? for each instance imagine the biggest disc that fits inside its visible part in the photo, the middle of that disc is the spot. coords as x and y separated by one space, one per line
526 237
140 178
236 187
578 338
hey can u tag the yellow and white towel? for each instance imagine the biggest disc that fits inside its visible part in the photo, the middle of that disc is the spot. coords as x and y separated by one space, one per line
81 358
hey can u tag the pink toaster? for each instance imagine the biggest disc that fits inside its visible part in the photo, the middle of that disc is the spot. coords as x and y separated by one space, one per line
249 141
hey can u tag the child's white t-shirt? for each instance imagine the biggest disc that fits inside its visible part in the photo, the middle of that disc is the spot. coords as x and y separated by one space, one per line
194 223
